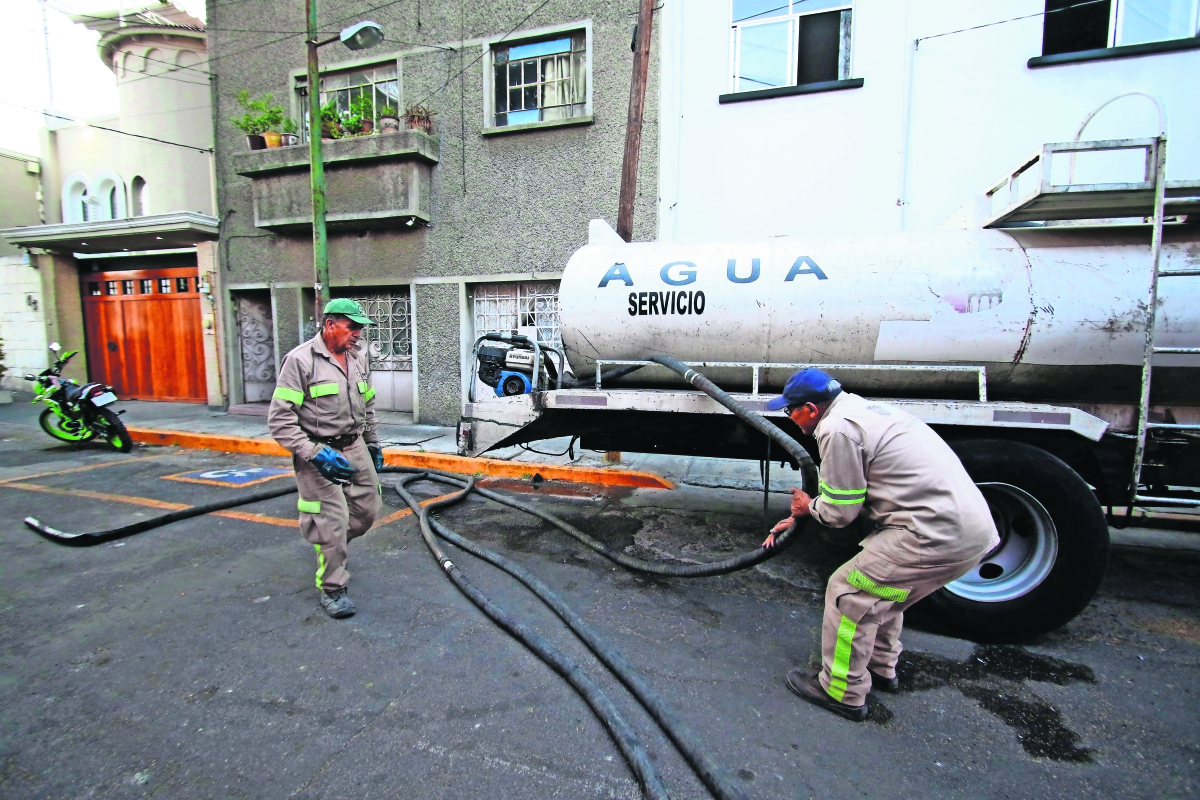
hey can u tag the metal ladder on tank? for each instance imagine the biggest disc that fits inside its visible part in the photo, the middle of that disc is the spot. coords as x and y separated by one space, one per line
1145 428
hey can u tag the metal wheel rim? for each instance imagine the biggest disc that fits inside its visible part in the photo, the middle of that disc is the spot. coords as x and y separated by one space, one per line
79 434
1026 553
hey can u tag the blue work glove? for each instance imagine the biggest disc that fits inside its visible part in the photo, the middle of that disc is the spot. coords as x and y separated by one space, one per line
376 455
333 465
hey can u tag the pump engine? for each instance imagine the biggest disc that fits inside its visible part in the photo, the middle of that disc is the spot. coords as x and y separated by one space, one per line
509 370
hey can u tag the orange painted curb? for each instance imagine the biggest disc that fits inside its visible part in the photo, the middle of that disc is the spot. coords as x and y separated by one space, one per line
492 467
209 441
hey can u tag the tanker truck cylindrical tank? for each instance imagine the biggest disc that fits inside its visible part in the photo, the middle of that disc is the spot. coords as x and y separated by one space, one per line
1052 317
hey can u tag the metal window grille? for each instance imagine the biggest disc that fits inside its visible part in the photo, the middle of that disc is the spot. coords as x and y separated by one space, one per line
379 84
540 81
506 307
389 340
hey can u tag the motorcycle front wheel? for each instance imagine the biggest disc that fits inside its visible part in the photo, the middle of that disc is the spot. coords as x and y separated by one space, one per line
65 430
113 430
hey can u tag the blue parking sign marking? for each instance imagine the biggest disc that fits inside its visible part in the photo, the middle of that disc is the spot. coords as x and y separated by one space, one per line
235 476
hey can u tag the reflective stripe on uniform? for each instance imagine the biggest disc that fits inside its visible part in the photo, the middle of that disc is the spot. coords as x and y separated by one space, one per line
362 387
841 658
858 580
320 563
290 395
842 497
309 506
322 389
370 393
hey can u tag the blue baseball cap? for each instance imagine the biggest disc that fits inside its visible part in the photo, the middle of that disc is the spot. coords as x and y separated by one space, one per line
806 386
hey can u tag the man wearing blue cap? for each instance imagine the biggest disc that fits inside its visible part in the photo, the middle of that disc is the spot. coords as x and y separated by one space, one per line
323 412
930 526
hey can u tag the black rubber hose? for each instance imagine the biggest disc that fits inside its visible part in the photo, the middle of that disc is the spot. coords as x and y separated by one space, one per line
624 737
96 537
739 562
714 776
808 470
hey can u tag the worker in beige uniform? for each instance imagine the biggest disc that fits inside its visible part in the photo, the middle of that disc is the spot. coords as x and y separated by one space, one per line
323 412
930 526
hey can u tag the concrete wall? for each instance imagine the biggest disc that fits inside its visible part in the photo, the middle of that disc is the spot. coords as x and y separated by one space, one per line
512 205
20 202
24 337
893 154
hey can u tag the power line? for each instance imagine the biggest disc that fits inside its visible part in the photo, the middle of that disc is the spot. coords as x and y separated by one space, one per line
1012 19
110 130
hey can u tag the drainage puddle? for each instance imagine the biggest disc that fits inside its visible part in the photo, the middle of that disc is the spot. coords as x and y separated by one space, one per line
1039 726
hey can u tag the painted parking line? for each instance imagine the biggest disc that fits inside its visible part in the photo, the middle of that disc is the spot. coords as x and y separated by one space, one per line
229 513
111 463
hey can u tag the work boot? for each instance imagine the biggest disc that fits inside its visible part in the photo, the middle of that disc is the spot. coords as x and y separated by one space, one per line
337 604
810 689
889 685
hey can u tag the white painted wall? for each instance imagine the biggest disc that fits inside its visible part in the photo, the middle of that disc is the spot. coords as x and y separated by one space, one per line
21 326
832 163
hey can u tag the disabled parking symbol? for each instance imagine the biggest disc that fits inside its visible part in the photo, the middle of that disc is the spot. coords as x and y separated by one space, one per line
235 476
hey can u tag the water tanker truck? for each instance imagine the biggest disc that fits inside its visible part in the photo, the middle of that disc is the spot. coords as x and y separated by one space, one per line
1022 347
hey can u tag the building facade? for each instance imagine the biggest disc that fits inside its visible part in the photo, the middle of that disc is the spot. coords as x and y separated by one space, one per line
21 330
449 225
127 225
854 117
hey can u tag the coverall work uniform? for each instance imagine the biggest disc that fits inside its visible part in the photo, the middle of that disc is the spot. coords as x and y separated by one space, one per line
316 403
931 525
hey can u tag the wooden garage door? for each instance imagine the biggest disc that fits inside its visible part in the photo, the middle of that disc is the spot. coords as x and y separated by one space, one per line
144 334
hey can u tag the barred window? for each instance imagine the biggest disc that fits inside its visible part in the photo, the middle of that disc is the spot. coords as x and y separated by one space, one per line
531 309
389 340
540 81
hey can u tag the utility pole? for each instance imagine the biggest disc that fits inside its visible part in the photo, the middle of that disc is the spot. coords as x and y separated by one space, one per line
316 161
633 130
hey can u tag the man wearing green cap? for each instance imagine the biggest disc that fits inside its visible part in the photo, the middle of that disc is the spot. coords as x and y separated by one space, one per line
323 412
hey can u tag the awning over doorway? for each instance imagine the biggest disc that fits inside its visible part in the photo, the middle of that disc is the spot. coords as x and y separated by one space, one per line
158 232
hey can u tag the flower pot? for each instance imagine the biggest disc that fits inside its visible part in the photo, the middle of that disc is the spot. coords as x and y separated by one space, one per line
272 138
423 124
368 126
289 139
389 125
256 142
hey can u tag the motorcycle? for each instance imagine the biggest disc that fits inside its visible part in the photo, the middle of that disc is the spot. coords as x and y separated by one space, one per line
78 413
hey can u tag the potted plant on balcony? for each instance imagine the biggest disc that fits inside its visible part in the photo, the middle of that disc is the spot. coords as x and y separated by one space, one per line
331 121
419 118
288 137
254 121
389 119
362 116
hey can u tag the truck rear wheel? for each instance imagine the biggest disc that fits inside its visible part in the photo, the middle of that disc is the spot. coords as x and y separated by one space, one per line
1053 546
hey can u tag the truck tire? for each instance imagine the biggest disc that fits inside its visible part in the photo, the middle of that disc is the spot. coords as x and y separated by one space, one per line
1053 550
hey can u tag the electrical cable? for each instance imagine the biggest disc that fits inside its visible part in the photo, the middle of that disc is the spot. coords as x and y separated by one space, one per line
715 776
110 130
612 719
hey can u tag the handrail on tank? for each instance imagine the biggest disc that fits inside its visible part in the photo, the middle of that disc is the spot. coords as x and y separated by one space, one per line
755 366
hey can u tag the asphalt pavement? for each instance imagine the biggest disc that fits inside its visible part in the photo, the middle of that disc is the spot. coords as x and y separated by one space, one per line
193 661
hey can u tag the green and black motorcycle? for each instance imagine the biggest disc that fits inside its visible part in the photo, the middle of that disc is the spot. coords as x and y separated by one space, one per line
78 413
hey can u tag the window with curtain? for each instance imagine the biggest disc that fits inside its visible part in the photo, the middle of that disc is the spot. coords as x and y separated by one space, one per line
539 81
1070 26
781 43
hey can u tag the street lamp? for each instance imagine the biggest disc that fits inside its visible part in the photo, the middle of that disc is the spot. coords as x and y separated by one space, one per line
360 36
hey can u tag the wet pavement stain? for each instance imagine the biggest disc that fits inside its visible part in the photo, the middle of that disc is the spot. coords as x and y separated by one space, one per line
1040 727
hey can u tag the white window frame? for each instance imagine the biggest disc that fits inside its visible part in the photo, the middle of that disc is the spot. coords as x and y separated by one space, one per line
298 86
845 68
1116 23
525 37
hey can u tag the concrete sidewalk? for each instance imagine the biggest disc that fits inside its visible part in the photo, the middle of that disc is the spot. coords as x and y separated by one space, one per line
397 432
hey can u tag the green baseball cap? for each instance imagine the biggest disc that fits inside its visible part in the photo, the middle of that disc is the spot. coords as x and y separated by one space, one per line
348 308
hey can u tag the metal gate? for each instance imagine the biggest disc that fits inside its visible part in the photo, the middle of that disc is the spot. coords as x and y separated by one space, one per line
389 343
256 332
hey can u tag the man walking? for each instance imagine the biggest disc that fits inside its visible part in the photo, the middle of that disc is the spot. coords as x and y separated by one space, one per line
931 525
323 412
